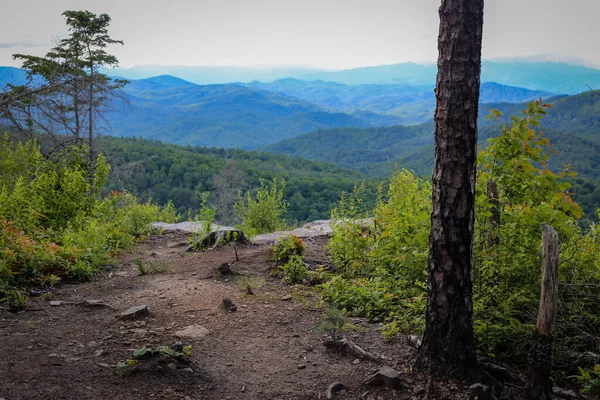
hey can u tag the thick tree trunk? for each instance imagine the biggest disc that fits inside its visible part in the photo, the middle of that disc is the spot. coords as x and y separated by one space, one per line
540 356
448 346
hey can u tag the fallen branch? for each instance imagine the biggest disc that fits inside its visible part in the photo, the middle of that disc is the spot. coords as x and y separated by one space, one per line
346 346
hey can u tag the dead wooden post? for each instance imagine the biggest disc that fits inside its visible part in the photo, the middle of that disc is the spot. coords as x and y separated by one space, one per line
539 386
492 194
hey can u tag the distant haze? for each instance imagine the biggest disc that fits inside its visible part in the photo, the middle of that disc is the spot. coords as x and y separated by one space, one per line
331 34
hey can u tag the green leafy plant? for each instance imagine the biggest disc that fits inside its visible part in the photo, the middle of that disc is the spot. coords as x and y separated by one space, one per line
204 219
15 299
286 247
335 321
294 271
382 269
53 226
262 213
590 380
163 354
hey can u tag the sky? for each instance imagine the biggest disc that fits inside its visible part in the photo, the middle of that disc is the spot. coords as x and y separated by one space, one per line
328 34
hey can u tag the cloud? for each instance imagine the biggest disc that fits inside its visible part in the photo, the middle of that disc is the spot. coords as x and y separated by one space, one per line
10 45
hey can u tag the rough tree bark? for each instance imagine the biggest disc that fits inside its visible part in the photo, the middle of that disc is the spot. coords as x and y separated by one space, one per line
539 386
448 346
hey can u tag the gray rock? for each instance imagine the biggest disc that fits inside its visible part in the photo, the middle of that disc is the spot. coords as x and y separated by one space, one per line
479 391
135 312
287 297
386 376
55 303
193 332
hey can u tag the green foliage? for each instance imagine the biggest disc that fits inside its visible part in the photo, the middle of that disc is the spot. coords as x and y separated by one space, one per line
286 247
334 322
294 271
204 218
590 380
163 354
206 215
14 299
264 212
352 232
150 169
383 269
66 92
53 226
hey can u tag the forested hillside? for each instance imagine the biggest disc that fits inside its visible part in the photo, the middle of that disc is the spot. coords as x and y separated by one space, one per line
163 172
216 115
571 125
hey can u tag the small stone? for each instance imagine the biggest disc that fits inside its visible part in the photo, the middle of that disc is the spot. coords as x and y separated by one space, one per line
98 353
135 312
287 297
55 303
172 366
188 370
193 332
92 344
301 366
103 365
356 361
385 376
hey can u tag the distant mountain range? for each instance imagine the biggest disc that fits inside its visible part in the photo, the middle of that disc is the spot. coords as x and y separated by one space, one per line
179 112
551 77
255 114
407 104
572 125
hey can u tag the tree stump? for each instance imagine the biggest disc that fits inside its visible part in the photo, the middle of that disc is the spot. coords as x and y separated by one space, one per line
218 238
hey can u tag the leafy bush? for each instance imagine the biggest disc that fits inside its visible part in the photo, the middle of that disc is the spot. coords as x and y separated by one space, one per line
286 247
52 224
383 269
205 219
590 380
294 271
264 212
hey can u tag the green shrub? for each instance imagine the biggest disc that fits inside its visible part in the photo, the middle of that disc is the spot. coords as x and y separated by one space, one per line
15 299
53 226
590 380
205 219
264 212
334 322
286 247
383 269
294 271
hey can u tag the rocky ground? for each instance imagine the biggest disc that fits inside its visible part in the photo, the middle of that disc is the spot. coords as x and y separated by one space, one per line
68 343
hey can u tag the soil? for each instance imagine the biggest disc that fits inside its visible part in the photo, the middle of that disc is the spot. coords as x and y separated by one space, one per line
267 349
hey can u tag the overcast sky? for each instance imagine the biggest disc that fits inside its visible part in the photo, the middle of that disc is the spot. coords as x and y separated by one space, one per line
333 34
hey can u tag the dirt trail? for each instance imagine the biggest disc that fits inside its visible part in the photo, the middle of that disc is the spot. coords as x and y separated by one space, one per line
267 349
